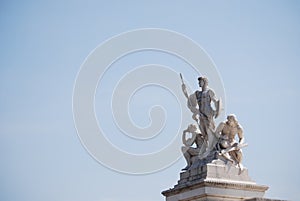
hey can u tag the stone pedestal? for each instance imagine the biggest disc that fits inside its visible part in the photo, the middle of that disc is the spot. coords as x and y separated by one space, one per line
215 181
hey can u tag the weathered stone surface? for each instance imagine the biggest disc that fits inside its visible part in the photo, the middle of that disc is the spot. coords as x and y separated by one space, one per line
216 190
217 169
215 181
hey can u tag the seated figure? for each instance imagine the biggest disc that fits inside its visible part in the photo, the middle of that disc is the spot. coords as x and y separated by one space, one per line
194 146
227 145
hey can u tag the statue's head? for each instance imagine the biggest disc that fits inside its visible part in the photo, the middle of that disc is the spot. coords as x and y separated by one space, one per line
202 81
232 120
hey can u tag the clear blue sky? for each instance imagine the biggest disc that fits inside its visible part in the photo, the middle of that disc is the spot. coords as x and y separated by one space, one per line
254 44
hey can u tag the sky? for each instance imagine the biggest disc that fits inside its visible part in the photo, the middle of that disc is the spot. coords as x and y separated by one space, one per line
254 46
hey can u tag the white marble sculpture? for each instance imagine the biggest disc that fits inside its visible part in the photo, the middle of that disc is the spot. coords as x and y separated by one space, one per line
227 146
214 171
193 146
218 141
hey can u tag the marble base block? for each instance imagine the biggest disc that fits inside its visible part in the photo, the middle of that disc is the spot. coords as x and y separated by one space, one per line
215 181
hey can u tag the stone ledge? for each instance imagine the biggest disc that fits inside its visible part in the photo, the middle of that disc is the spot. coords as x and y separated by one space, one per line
216 183
236 184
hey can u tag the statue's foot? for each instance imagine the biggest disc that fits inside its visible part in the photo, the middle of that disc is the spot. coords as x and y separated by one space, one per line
186 168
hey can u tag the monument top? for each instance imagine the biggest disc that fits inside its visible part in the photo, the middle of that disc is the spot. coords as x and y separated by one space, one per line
213 154
209 142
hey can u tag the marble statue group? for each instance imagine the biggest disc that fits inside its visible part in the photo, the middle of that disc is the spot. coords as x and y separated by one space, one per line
213 153
206 141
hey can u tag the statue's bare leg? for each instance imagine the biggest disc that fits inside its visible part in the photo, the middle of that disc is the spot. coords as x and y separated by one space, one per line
187 156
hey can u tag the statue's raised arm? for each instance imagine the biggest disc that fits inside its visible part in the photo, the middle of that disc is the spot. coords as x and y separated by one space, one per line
200 104
191 101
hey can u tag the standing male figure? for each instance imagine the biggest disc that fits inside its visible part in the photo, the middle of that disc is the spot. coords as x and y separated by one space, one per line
205 98
205 114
